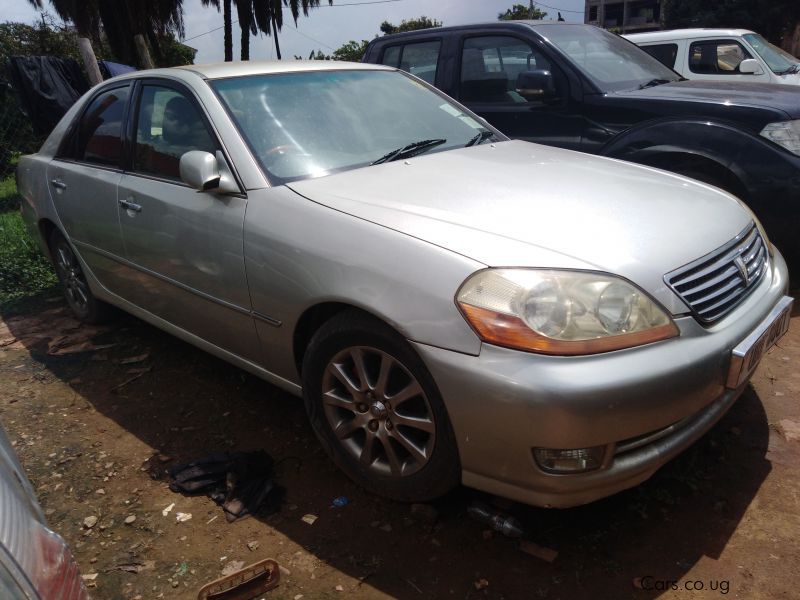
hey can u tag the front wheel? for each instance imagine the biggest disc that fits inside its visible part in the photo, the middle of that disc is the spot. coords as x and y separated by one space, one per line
376 410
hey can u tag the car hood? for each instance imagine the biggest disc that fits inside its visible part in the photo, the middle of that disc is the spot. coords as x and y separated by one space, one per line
520 204
726 93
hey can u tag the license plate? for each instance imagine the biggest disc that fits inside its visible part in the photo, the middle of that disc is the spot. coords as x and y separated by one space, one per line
746 356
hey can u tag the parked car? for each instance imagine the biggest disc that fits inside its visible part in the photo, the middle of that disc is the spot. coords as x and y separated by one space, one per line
721 55
580 87
453 306
35 562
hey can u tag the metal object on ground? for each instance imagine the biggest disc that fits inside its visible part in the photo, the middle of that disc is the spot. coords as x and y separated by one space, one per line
244 584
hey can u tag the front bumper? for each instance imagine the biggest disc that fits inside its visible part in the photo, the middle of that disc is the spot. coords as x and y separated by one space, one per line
504 403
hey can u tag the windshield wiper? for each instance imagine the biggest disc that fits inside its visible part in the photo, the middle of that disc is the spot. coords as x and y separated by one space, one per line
654 82
410 150
479 138
793 69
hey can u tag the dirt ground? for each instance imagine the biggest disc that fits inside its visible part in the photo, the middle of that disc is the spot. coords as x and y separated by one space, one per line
97 414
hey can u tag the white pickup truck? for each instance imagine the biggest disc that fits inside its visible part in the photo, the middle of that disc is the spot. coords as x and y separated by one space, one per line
720 54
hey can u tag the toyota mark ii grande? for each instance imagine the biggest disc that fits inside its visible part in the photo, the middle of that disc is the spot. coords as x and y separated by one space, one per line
538 323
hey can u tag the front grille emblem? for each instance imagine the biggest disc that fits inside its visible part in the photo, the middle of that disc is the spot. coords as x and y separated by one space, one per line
714 284
742 269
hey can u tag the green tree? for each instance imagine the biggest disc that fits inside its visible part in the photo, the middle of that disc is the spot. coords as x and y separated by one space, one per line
773 19
40 39
422 22
127 27
173 53
315 55
520 12
352 51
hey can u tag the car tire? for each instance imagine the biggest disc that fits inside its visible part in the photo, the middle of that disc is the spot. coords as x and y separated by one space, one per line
77 293
377 411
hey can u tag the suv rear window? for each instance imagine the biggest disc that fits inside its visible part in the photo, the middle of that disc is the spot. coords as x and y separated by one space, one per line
420 59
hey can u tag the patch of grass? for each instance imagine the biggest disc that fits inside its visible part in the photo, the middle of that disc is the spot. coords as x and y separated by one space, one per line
24 271
9 198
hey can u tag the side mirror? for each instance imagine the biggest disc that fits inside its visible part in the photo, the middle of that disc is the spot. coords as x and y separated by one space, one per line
201 171
750 66
536 85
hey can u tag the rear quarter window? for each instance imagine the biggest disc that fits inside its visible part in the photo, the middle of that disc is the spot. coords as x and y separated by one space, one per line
418 58
666 54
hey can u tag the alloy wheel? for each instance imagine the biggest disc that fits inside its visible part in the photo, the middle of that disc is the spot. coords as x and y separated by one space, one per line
378 411
75 286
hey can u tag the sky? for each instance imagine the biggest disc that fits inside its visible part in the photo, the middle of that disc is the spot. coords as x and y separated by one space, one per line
326 28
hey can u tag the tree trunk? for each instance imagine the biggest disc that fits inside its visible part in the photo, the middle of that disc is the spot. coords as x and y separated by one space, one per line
226 15
275 33
245 43
143 52
89 60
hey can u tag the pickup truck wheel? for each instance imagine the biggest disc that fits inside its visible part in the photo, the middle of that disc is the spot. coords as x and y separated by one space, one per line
79 297
376 410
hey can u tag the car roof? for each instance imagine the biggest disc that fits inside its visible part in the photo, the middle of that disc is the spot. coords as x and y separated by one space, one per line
221 70
684 34
485 25
266 67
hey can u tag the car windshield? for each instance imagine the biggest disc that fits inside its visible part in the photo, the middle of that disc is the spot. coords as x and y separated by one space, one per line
609 61
310 124
778 60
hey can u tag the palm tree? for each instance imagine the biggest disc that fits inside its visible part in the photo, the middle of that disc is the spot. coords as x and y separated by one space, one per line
247 24
268 15
227 24
125 30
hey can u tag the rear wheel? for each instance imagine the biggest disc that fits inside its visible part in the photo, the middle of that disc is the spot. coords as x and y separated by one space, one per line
79 297
377 411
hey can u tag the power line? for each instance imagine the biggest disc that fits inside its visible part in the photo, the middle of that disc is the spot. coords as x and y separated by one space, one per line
580 12
309 37
194 37
357 3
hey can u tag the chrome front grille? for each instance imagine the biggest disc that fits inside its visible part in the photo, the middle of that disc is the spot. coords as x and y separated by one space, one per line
715 284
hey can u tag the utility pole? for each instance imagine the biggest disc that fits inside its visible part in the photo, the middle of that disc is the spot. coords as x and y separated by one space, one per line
138 41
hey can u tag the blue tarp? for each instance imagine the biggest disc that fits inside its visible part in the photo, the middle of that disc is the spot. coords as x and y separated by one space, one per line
112 69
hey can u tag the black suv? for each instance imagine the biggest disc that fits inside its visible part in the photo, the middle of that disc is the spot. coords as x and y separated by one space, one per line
580 87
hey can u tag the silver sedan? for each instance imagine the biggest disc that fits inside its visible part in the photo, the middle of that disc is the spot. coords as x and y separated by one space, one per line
452 306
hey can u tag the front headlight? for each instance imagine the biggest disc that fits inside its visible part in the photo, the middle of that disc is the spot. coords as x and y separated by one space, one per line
561 312
784 133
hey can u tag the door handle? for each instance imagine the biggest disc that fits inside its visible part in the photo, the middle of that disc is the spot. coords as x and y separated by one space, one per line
58 184
128 205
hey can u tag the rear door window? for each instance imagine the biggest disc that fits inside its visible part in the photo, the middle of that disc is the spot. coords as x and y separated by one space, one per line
98 136
716 57
663 53
420 59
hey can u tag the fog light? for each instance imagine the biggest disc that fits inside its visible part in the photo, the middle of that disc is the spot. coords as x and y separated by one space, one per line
578 460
